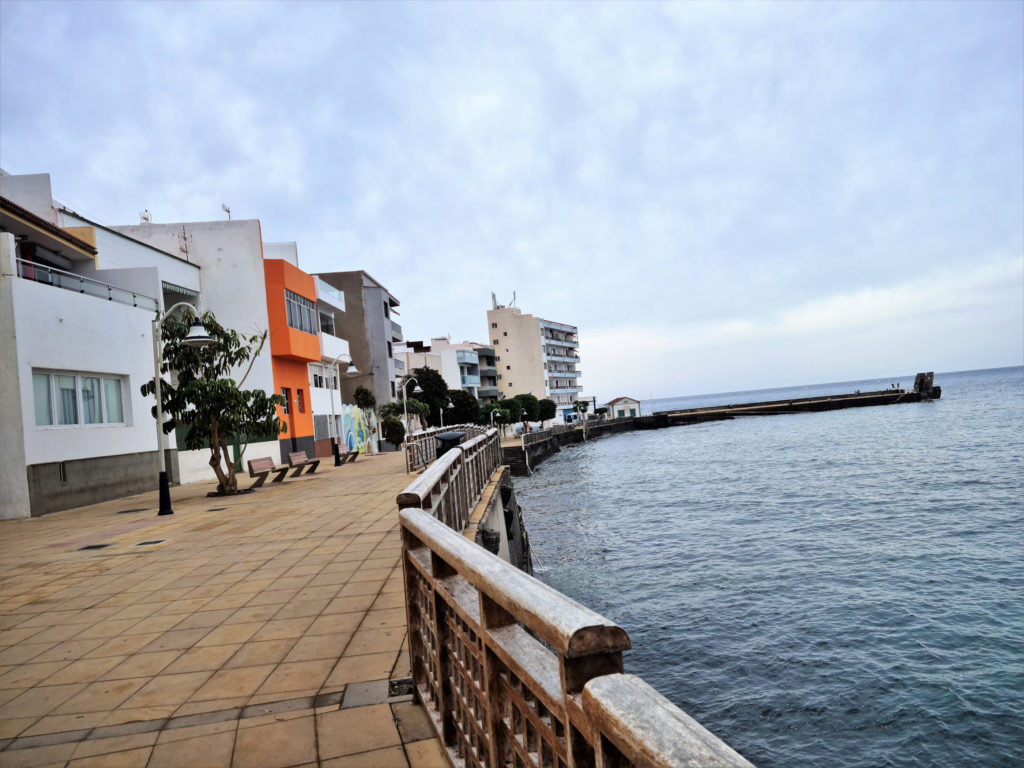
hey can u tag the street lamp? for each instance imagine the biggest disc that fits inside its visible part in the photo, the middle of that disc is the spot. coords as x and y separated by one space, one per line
441 410
405 413
197 337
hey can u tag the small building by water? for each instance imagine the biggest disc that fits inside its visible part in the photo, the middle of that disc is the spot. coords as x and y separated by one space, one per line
623 406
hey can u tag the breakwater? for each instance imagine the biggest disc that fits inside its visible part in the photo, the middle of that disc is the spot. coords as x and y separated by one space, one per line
537 446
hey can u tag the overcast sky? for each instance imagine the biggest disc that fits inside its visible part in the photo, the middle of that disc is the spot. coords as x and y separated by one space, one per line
720 196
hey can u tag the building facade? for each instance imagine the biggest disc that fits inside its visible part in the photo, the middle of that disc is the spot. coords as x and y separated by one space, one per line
534 356
369 326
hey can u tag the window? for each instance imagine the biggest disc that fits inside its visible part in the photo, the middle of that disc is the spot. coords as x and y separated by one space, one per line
494 325
70 399
632 411
300 401
496 341
287 395
392 389
327 323
389 349
301 312
505 333
387 312
508 367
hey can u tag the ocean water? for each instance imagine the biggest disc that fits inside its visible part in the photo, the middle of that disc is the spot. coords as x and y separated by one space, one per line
828 589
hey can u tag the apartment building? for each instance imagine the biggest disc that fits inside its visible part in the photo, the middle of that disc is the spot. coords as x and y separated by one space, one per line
458 364
369 325
76 307
534 356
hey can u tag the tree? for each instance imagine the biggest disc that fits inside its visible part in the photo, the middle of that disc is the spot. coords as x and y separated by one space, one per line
435 392
531 407
501 416
581 406
413 406
204 403
548 409
466 410
514 408
393 430
600 411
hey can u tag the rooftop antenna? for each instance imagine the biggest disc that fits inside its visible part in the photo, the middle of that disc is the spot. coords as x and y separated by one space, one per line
513 302
145 217
227 209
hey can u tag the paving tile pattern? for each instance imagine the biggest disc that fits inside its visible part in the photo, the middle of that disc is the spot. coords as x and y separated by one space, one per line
259 630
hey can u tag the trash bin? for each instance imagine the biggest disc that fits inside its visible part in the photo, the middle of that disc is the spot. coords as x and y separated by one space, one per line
447 440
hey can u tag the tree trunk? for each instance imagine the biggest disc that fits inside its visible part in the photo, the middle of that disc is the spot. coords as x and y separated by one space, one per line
215 449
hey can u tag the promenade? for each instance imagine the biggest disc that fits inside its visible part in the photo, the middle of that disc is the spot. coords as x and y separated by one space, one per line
256 631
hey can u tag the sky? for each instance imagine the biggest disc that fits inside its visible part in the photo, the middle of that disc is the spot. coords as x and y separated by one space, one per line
721 196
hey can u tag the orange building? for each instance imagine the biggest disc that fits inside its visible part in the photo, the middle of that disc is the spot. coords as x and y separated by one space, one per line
294 344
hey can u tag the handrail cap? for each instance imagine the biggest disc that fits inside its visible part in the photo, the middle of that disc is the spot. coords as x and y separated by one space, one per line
651 730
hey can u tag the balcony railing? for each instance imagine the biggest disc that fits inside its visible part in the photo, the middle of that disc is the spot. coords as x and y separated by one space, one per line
564 388
396 331
81 284
422 446
565 374
470 381
399 365
467 357
328 294
511 671
560 357
565 327
561 342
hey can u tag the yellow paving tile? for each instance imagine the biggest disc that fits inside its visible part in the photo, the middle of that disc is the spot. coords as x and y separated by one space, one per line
26 675
61 723
359 729
92 747
313 647
211 750
243 681
37 756
231 633
276 745
426 754
357 669
391 757
39 701
132 758
298 676
83 670
168 690
141 665
265 652
100 697
202 658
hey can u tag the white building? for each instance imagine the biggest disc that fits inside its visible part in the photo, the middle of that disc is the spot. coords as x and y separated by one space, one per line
76 308
535 356
458 364
622 406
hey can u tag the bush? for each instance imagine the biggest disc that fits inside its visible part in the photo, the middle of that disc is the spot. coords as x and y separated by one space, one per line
393 430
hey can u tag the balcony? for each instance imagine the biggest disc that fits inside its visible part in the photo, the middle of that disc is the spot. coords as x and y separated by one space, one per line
399 366
488 370
467 357
488 392
560 343
69 281
333 348
470 381
565 374
328 294
396 331
564 327
560 388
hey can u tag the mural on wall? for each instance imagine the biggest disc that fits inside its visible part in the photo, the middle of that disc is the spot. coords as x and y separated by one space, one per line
356 431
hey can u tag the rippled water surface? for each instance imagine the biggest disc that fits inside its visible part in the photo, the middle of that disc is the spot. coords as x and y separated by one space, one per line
833 589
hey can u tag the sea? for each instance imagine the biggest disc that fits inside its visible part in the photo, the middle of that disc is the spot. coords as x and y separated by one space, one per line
824 589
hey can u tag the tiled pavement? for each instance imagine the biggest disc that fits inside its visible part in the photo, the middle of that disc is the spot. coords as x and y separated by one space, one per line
257 630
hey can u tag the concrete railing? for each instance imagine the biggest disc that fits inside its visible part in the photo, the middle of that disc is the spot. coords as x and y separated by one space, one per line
511 671
422 445
538 437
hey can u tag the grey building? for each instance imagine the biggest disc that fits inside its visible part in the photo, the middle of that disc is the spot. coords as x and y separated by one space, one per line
368 324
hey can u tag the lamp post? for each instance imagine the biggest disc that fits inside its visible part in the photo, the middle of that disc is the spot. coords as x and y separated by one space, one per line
442 409
405 413
197 337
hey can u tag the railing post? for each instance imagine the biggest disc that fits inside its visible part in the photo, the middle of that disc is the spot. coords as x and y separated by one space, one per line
446 708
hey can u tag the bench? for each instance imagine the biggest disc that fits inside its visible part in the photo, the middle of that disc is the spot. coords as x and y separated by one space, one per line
298 462
260 468
348 457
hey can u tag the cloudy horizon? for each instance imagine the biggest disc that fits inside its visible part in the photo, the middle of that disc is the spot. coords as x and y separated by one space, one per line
721 196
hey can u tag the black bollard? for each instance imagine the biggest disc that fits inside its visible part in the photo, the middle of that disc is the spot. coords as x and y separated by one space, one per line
337 455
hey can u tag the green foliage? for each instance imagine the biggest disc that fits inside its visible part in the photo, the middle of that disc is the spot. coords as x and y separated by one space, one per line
395 409
364 399
530 406
393 430
435 392
205 403
600 411
514 408
581 406
466 410
548 409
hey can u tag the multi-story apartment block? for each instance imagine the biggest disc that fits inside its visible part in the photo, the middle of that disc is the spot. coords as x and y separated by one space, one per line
368 324
534 356
488 391
458 364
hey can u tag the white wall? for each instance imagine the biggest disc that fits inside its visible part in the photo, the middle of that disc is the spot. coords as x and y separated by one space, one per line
287 251
117 251
67 331
230 257
31 191
14 496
